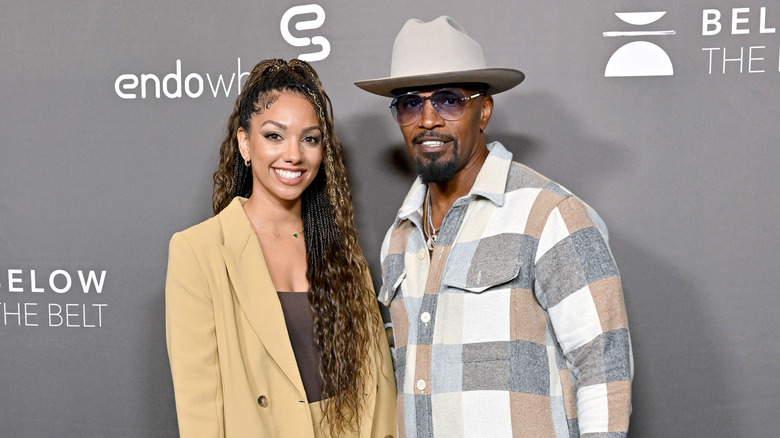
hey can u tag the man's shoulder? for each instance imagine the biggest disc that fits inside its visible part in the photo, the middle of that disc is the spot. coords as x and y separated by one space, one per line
547 194
523 177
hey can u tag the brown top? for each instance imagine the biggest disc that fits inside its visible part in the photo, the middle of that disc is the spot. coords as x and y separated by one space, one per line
300 326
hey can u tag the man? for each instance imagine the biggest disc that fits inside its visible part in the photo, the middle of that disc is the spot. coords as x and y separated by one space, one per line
506 305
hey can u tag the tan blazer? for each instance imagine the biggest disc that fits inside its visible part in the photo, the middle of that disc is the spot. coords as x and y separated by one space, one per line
234 370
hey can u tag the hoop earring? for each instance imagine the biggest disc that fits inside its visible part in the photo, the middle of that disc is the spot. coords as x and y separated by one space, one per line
247 162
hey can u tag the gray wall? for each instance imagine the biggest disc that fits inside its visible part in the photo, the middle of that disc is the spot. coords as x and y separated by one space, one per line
682 168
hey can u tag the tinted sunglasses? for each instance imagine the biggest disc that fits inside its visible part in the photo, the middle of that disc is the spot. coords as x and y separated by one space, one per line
448 102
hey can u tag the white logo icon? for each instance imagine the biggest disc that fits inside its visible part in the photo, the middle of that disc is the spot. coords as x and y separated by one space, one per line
321 41
639 58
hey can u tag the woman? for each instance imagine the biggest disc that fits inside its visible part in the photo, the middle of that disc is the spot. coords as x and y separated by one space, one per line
271 318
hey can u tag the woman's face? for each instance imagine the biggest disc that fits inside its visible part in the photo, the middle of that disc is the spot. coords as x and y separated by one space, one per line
284 144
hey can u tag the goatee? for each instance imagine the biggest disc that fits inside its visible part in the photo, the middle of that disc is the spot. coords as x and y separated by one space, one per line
435 171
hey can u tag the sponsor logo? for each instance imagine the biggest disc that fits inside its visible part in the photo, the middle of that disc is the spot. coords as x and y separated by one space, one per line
739 24
175 85
740 40
639 58
183 82
316 23
62 298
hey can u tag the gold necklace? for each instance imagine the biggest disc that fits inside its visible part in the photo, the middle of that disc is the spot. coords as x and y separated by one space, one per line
278 234
431 232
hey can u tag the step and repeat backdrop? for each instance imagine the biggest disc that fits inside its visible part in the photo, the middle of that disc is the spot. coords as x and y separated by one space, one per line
662 115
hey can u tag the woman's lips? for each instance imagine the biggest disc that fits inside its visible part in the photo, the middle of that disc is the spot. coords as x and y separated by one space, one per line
288 176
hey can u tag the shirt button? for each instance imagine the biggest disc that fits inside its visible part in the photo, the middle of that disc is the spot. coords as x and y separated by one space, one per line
422 253
425 317
421 384
262 401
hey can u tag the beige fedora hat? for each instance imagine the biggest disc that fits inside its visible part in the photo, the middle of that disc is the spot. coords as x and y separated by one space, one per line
438 52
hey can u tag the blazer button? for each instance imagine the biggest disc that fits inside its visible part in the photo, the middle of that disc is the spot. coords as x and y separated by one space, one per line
262 401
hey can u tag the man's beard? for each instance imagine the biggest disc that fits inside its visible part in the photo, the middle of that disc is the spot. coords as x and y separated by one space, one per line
435 171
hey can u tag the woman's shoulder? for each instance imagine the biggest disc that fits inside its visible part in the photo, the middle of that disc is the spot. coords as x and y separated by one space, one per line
212 230
198 240
205 231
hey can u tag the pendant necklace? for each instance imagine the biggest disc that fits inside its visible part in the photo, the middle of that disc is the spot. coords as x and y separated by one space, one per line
431 232
278 234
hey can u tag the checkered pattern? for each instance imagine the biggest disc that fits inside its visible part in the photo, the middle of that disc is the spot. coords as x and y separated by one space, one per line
515 325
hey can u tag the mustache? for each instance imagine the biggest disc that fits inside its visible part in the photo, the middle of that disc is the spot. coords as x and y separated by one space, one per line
432 135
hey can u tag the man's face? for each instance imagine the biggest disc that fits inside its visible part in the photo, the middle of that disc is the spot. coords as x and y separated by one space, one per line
440 147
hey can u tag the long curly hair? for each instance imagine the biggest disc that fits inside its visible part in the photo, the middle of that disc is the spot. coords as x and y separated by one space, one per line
343 302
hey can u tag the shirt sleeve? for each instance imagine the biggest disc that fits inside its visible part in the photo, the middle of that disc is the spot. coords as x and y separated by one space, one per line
578 284
192 344
384 294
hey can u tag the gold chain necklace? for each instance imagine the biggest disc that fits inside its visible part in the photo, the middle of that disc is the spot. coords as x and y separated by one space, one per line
278 234
431 232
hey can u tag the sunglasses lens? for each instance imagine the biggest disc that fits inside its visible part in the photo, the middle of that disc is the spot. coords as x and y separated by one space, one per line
407 108
448 103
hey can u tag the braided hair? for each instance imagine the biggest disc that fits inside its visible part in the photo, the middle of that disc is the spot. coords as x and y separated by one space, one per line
343 303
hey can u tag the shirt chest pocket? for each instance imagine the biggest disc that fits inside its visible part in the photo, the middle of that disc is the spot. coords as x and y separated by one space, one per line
475 304
490 262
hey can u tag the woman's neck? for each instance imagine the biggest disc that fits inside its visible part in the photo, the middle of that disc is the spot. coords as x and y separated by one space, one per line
283 218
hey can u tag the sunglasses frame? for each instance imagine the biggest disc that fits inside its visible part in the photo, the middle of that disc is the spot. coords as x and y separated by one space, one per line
461 100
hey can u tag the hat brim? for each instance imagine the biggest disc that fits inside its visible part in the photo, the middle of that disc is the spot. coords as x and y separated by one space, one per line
497 79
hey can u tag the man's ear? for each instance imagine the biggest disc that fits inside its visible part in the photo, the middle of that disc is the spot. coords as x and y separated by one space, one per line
487 111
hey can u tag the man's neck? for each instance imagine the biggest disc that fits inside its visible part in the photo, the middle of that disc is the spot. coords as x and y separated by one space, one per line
444 194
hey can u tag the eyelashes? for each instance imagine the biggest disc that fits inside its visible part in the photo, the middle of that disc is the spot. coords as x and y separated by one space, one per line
277 137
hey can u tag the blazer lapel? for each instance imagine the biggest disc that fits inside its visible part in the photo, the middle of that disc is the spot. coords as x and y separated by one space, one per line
256 294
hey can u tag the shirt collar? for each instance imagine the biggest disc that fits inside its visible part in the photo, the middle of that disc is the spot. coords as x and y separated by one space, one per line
490 183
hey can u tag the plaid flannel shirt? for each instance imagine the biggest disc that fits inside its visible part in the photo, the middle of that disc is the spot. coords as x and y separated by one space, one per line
515 324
